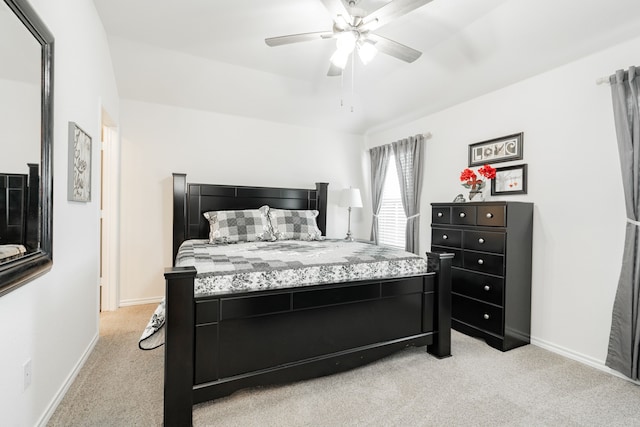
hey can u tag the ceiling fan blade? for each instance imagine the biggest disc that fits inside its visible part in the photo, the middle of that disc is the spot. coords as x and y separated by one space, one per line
394 49
389 12
334 70
337 9
297 38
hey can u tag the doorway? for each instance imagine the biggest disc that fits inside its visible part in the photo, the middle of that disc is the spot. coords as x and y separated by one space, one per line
109 217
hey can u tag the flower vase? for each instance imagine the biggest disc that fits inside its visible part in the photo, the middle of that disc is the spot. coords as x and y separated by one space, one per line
476 196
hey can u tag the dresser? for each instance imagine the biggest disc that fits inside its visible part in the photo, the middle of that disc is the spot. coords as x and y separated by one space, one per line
491 272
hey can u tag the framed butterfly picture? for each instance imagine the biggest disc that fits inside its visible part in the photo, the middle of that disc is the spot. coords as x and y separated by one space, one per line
510 180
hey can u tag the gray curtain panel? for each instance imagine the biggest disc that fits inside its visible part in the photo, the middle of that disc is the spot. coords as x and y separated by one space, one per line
379 162
624 339
408 154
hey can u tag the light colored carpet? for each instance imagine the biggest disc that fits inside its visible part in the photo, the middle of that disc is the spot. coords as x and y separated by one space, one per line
121 385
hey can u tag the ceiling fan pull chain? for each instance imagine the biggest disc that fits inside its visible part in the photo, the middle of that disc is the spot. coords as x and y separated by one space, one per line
341 89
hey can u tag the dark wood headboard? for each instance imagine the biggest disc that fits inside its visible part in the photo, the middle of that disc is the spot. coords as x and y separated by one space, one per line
190 201
19 195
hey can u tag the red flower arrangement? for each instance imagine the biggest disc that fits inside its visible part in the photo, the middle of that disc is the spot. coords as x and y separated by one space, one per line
470 179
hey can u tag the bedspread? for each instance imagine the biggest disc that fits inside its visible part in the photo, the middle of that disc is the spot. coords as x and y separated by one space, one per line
8 252
246 267
255 266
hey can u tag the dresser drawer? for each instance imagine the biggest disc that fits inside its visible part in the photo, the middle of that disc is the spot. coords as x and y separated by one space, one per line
478 314
441 215
483 262
486 241
446 237
463 215
477 285
492 216
457 254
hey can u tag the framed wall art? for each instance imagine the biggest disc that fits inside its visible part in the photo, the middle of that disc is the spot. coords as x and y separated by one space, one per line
510 180
496 150
79 176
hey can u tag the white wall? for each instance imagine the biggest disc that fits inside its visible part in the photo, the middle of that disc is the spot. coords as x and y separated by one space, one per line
53 320
158 140
574 183
20 128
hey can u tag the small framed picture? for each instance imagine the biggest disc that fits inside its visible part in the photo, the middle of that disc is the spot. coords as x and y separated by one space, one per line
496 150
79 176
510 180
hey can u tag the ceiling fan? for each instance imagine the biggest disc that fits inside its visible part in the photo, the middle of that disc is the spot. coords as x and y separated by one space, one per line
353 30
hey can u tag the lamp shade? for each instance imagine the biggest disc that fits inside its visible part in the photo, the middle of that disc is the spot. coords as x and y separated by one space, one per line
367 51
350 197
340 58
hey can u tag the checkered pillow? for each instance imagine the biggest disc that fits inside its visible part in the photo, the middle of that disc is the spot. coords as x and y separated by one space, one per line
246 225
294 224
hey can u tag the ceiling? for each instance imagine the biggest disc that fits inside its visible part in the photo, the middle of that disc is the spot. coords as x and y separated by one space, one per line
211 55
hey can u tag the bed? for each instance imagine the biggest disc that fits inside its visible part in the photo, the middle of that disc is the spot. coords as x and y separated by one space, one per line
19 194
218 339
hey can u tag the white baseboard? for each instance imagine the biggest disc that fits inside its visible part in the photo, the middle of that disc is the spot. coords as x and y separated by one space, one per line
67 383
140 301
587 360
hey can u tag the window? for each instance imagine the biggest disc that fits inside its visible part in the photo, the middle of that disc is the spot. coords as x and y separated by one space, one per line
392 221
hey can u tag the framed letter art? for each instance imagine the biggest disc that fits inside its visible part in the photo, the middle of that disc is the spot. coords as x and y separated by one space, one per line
496 150
510 180
79 176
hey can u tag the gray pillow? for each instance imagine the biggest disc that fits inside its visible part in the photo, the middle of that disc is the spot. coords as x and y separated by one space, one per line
247 225
294 224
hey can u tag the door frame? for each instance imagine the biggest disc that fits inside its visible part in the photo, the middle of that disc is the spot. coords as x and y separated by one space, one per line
109 214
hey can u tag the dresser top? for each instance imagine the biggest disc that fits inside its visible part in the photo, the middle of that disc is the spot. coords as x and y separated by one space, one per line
486 203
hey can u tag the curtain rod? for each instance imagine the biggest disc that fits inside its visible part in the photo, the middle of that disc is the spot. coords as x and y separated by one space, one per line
602 80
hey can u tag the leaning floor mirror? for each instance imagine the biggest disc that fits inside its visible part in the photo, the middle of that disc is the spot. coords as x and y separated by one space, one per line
26 138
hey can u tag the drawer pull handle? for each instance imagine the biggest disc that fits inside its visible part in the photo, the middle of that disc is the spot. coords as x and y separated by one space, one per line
480 261
481 240
489 215
440 214
487 288
486 316
462 214
445 237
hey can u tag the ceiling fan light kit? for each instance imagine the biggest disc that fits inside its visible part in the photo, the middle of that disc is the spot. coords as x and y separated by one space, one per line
348 41
367 51
353 29
340 58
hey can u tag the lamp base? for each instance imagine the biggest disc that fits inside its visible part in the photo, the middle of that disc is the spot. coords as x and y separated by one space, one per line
349 238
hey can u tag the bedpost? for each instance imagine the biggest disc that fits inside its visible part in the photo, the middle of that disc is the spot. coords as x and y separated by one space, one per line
441 264
178 346
33 193
321 188
179 211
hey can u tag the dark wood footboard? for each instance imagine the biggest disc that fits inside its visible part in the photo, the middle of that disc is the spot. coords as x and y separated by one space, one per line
219 344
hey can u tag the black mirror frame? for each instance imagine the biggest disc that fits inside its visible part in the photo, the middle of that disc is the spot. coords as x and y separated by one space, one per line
17 272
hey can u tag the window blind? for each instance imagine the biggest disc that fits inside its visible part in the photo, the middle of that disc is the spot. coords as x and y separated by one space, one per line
392 220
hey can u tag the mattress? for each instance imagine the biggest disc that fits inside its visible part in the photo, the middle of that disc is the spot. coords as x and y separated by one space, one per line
255 266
